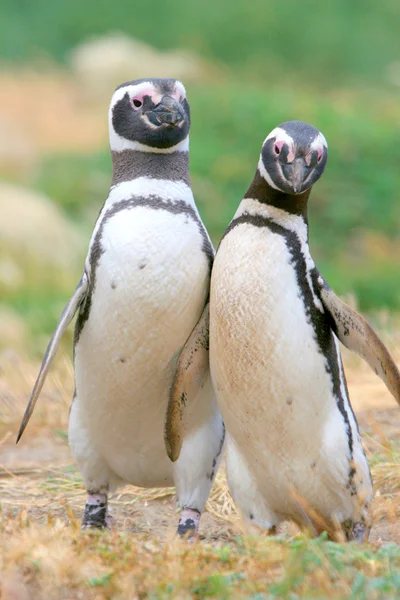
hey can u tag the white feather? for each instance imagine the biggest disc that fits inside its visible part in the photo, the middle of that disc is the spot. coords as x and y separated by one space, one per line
291 222
319 142
264 173
146 187
281 135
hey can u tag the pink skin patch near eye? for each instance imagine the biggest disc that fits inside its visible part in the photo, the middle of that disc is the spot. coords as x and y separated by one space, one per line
137 101
142 90
278 146
320 152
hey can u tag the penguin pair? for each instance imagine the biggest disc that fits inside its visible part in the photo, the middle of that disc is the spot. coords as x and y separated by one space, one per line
141 347
293 448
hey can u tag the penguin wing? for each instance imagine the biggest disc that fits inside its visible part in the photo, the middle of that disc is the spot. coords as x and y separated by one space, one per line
190 375
51 350
355 333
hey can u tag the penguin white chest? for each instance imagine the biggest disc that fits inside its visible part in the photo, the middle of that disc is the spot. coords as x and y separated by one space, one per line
258 307
151 268
150 277
270 376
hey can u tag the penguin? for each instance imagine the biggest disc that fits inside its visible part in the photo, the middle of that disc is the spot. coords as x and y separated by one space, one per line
293 448
142 305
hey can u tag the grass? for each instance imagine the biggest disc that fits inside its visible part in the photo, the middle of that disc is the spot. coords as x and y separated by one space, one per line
58 562
329 43
50 557
44 555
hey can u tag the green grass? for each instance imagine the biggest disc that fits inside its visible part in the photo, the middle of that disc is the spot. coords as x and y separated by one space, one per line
249 568
331 42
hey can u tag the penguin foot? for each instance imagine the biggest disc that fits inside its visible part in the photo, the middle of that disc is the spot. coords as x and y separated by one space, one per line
96 512
188 525
110 521
356 531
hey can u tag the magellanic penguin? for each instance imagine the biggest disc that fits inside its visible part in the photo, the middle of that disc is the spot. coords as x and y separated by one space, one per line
293 446
143 295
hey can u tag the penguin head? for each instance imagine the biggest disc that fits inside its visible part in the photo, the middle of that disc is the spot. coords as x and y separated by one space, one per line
293 157
151 115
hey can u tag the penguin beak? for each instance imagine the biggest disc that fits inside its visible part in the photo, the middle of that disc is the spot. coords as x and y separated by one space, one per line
297 177
168 112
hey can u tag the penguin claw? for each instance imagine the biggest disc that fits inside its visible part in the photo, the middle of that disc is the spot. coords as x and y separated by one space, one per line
360 533
356 531
110 522
95 519
96 515
189 524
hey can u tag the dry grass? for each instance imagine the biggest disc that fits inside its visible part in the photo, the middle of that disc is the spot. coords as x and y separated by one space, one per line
43 553
57 561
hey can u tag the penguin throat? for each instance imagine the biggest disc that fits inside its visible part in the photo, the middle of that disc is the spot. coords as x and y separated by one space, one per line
294 204
131 164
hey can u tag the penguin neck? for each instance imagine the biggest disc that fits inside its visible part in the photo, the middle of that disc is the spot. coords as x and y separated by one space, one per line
131 164
294 204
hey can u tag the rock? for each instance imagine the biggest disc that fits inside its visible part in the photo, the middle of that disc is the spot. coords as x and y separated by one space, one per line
37 242
11 275
103 63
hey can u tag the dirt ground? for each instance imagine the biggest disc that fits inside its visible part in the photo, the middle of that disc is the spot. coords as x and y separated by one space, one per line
39 476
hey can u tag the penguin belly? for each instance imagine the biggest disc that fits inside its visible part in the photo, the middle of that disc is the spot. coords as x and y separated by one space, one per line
150 287
273 383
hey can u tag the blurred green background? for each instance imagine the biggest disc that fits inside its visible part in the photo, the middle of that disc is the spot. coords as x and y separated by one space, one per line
247 66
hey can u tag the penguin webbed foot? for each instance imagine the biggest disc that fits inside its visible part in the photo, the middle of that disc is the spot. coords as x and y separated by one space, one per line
96 515
356 531
188 525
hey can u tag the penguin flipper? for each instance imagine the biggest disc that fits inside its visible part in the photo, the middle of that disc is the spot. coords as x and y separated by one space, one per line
51 350
355 333
191 371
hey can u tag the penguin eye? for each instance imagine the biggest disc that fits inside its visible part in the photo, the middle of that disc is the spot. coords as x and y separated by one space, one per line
278 147
319 154
136 103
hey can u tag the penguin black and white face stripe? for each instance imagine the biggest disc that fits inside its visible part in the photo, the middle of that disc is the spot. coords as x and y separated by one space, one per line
149 115
293 157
